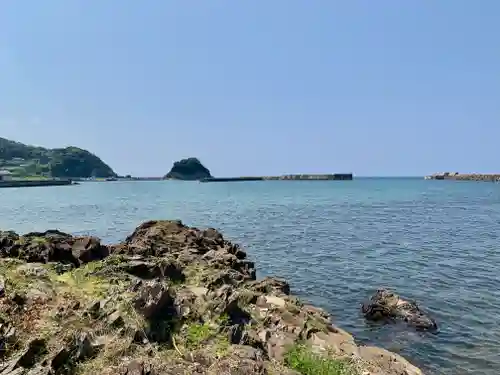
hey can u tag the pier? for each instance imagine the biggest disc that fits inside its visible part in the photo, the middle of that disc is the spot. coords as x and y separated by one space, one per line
487 177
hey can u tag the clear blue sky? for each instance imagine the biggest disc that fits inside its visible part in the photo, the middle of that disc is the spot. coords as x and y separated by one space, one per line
257 87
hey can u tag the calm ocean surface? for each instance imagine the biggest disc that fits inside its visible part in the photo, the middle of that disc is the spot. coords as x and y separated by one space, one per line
433 241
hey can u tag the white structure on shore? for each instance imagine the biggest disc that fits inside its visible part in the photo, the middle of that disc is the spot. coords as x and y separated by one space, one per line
5 175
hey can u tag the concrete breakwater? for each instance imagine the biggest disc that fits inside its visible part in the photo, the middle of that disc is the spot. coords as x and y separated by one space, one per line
290 177
33 183
489 177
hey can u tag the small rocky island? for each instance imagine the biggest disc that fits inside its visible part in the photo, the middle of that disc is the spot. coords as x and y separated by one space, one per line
189 169
169 299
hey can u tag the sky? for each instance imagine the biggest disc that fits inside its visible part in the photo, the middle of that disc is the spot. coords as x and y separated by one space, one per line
385 87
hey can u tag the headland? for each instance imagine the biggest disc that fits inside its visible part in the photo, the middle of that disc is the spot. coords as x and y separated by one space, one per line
26 161
169 299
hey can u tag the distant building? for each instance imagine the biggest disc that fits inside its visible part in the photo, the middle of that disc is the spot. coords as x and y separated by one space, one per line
5 175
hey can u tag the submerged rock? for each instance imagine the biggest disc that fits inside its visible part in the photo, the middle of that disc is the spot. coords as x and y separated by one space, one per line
385 305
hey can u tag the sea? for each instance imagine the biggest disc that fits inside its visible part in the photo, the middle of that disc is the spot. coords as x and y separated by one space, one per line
337 242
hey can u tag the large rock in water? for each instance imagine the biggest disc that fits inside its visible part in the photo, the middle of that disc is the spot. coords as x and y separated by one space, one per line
189 169
169 299
388 306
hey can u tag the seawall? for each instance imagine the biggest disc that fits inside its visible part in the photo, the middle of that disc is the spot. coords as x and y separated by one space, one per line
33 183
290 177
231 179
487 177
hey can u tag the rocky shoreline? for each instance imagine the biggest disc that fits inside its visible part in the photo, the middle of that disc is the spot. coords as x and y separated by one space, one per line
170 299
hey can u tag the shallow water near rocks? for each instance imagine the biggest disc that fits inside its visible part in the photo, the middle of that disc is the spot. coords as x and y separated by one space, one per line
436 242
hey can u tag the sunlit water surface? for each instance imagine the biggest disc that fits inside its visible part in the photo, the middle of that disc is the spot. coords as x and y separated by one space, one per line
336 242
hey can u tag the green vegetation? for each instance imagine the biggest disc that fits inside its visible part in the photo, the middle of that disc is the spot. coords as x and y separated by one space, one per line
195 273
37 162
207 335
302 359
189 169
83 282
197 334
13 280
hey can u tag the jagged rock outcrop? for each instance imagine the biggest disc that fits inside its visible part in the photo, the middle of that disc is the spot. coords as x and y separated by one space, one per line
189 169
52 246
388 306
170 299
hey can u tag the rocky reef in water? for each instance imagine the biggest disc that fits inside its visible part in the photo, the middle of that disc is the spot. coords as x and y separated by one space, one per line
170 299
387 306
189 169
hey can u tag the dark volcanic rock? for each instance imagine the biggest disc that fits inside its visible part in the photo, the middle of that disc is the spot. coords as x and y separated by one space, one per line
180 246
385 305
137 368
28 357
152 268
189 169
153 299
2 287
88 249
160 238
51 246
8 238
271 285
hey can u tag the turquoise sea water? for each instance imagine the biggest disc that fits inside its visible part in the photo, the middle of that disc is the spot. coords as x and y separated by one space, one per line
433 241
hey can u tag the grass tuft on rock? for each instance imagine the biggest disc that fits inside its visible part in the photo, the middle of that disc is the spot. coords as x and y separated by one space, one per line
197 334
82 282
195 274
116 348
302 359
206 336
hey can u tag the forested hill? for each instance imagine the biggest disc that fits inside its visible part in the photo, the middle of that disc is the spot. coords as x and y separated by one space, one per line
29 161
